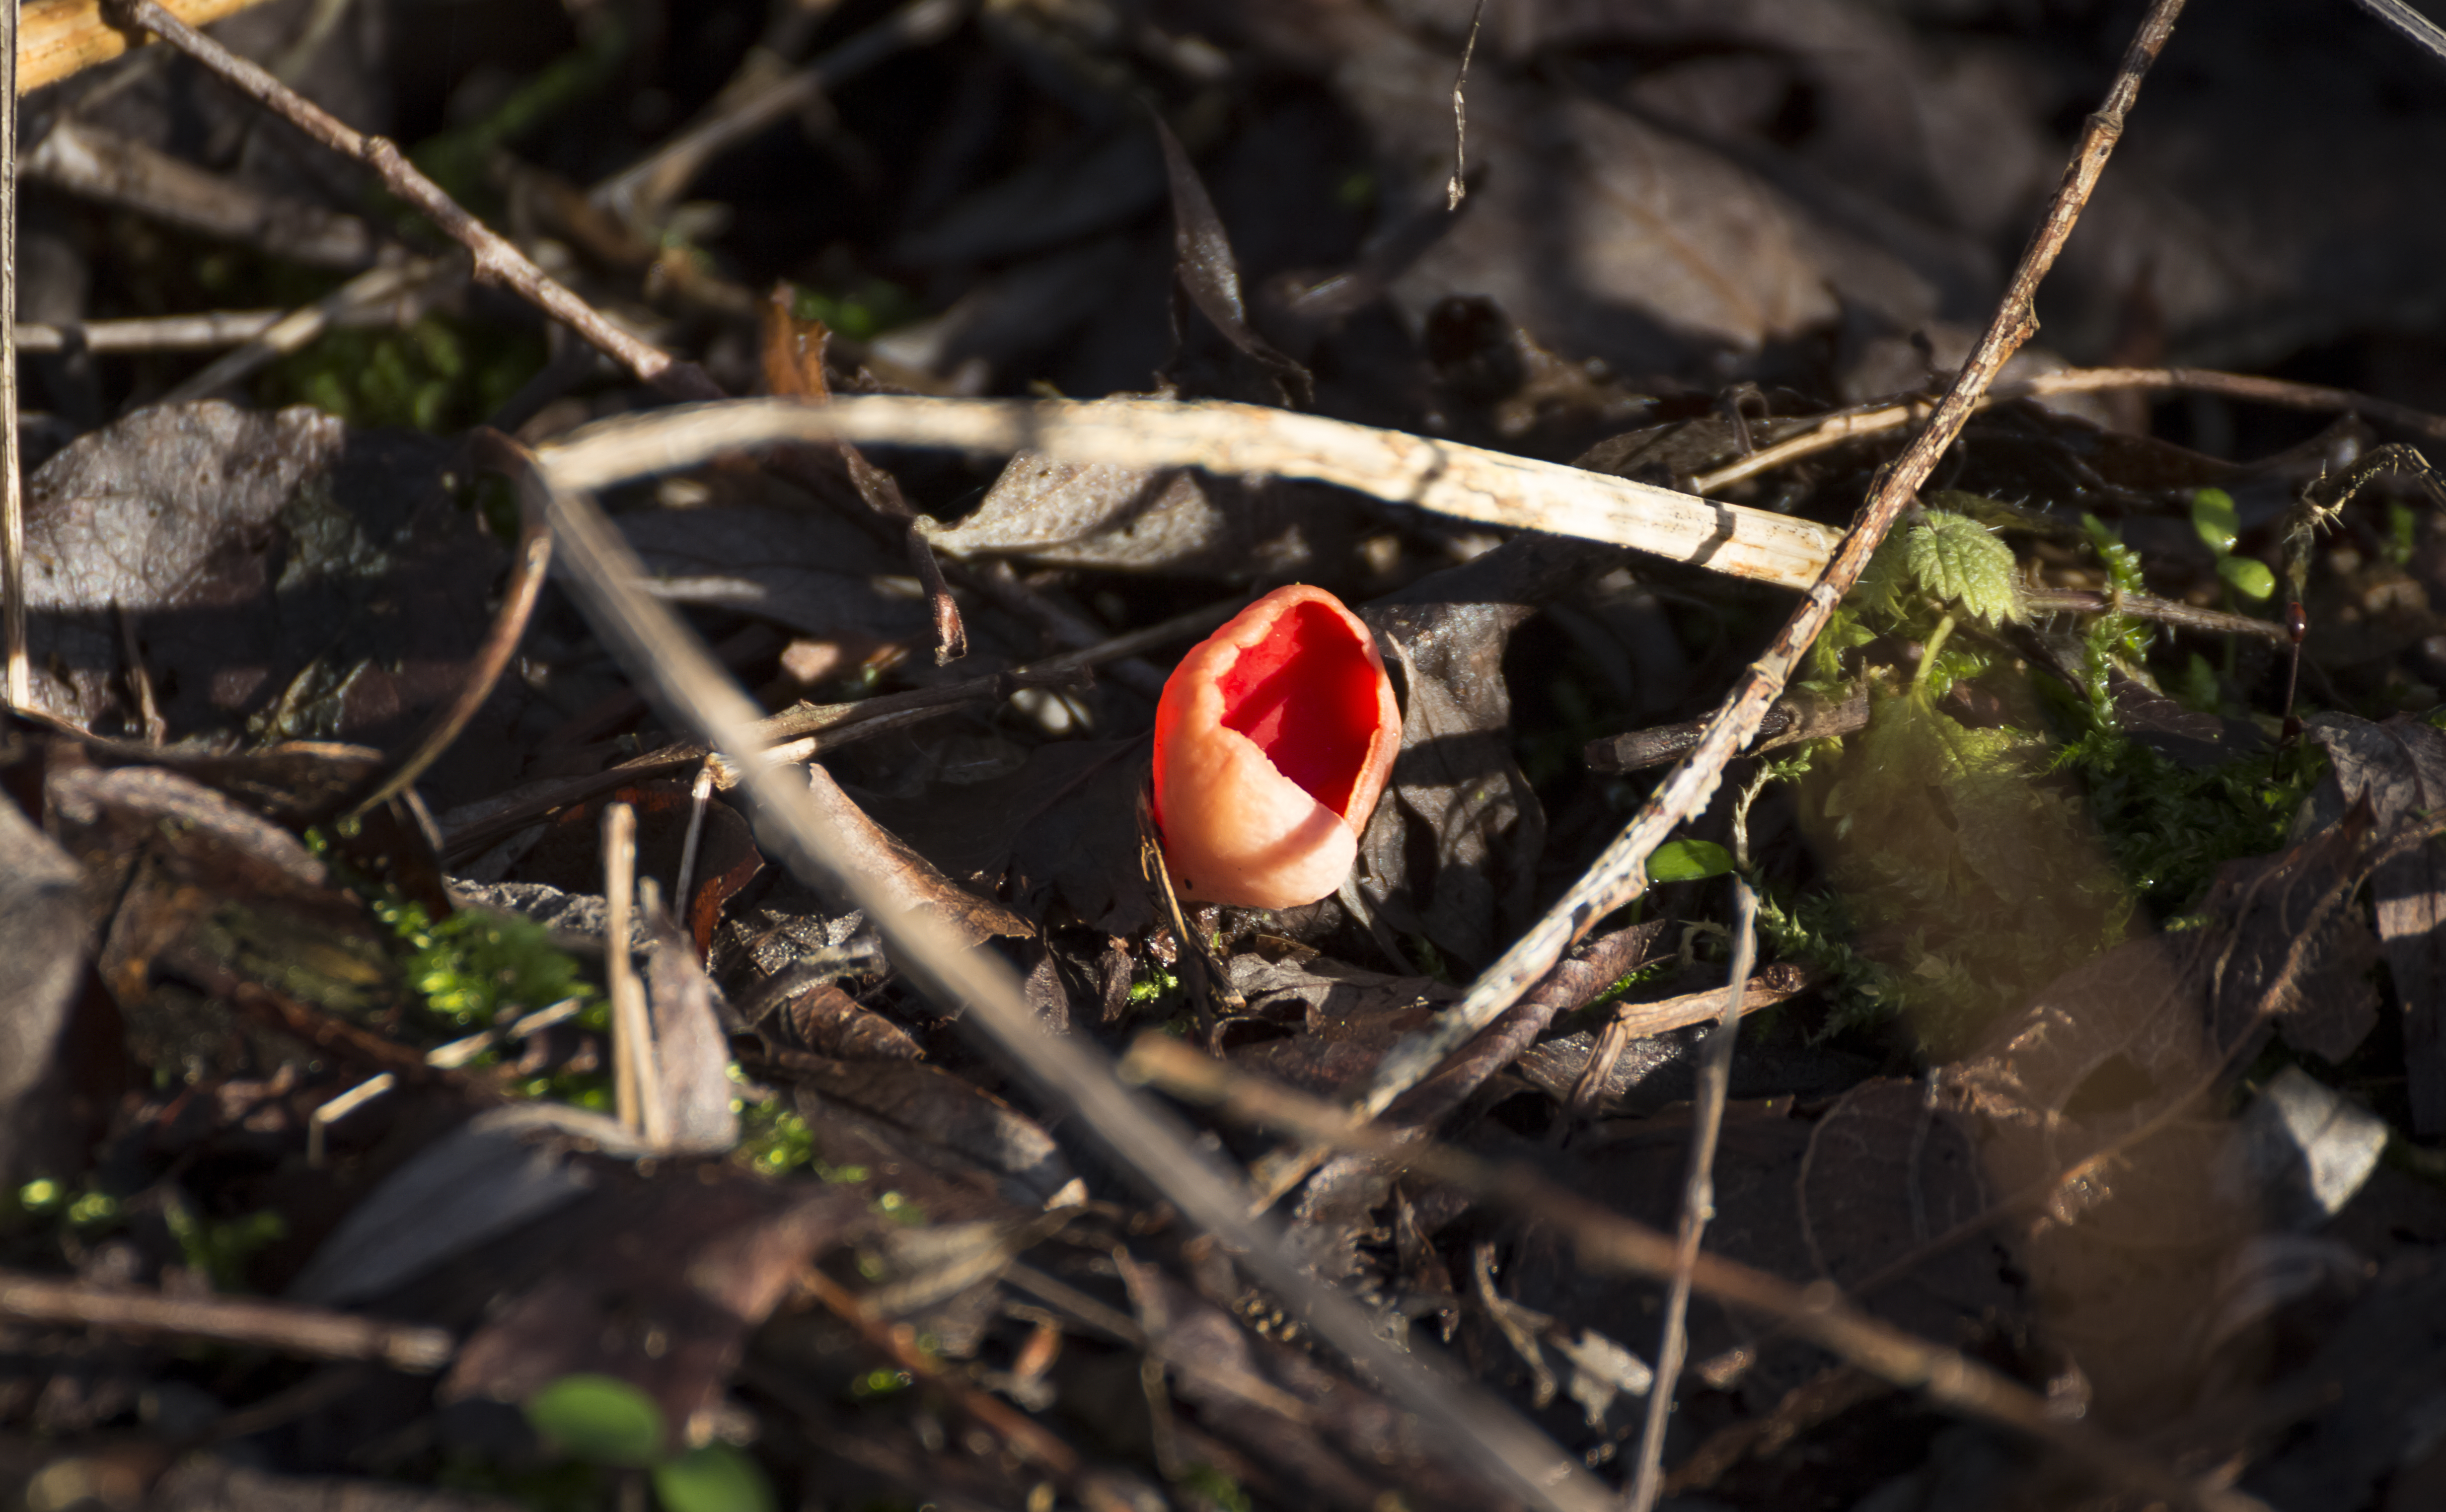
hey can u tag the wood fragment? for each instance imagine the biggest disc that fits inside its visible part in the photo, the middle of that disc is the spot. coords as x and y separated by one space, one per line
313 1332
63 37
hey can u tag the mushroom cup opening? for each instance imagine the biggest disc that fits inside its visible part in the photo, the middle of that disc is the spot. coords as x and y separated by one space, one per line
1305 696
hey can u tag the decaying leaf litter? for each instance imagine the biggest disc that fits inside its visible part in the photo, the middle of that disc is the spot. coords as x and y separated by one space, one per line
2074 1050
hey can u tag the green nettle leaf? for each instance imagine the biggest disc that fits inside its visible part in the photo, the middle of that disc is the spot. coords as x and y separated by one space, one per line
2248 576
598 1418
1954 558
716 1478
1687 861
2212 517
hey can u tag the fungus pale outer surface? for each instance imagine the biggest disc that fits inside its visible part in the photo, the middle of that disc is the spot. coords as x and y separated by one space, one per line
1273 742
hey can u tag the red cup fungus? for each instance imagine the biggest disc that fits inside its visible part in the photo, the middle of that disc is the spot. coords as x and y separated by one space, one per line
1273 742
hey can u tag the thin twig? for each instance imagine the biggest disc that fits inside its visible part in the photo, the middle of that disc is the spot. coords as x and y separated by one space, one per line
671 663
898 1342
497 259
639 193
1457 187
346 304
1697 1199
19 680
532 561
1850 426
1605 1242
1620 874
81 159
809 730
2416 29
160 333
631 1035
312 1332
1494 488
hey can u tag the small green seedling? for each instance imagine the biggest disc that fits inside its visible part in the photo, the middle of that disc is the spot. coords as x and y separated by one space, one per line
2212 515
1687 861
604 1420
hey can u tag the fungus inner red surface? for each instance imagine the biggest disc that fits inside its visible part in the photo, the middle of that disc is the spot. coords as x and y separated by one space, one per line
1305 695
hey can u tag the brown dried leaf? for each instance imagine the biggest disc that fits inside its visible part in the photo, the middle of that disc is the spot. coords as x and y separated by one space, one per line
42 972
2399 767
183 883
1327 1439
1145 520
1451 852
658 1282
811 570
1205 267
907 878
691 1054
1062 829
807 1013
925 1114
793 350
281 569
1889 1169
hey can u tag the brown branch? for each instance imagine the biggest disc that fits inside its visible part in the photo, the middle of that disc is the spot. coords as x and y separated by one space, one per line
1607 1243
18 681
1698 1201
497 259
1621 873
898 1342
312 1332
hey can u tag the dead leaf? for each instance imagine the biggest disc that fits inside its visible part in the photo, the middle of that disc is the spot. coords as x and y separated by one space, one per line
2399 767
809 570
1889 1168
657 1281
1334 1442
691 1054
495 1172
184 885
1452 851
1062 829
284 572
2099 1103
1205 267
43 931
955 1127
1146 520
797 1010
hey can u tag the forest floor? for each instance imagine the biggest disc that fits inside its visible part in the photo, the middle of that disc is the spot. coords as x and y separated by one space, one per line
428 1080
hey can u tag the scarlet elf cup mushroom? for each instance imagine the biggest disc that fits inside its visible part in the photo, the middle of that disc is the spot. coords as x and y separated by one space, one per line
1273 742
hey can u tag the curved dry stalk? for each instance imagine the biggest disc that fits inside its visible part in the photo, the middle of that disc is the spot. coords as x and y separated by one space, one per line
496 258
1620 874
527 574
1492 488
672 665
1606 1242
